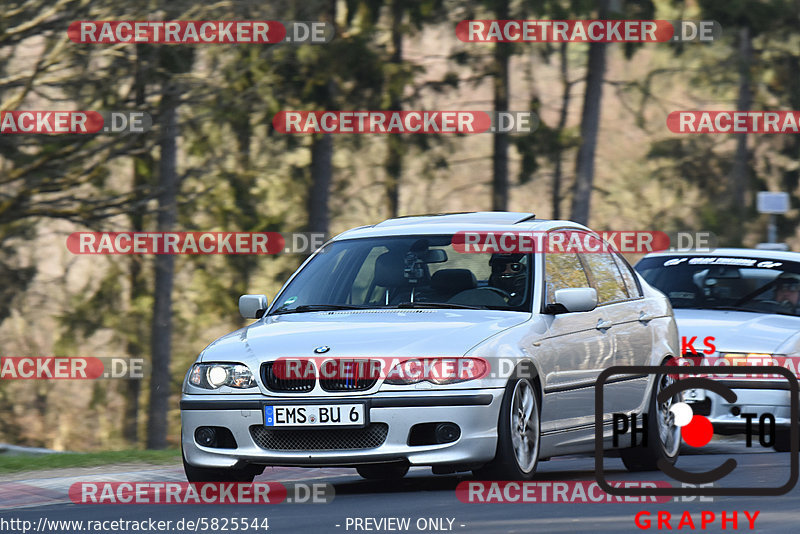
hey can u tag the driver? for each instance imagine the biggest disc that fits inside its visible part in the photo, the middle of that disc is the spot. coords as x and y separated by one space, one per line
509 274
787 291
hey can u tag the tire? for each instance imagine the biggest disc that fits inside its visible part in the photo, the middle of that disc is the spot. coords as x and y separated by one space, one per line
782 440
383 471
206 474
663 436
518 434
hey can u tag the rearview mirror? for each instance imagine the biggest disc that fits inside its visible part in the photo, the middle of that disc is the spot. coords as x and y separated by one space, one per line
436 255
253 306
573 299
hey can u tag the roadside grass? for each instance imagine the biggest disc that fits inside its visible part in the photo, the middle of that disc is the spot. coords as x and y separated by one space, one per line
29 462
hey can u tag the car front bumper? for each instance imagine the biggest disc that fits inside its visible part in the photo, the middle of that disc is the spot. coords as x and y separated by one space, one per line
474 411
726 417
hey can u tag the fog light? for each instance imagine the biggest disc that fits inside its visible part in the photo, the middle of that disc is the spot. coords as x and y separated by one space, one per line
447 432
206 436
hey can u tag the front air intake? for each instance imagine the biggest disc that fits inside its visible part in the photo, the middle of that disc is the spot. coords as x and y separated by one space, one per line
276 378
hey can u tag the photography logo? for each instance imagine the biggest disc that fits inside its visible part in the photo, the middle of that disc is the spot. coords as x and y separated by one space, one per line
695 430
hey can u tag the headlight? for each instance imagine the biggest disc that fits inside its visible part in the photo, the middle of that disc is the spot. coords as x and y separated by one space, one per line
438 371
216 375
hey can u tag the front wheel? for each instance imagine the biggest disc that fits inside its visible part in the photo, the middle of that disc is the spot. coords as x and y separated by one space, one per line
663 435
518 433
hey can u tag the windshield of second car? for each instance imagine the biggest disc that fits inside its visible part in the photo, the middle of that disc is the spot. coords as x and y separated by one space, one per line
746 284
407 271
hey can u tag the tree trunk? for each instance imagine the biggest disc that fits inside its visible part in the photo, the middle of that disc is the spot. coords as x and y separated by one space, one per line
394 156
590 124
502 54
133 386
322 156
321 178
739 171
791 147
249 217
164 274
142 171
562 123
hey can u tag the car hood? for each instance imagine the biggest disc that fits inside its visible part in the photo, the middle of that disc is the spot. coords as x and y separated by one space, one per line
361 333
735 331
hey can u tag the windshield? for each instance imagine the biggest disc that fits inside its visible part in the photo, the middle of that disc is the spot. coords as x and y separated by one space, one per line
717 282
406 272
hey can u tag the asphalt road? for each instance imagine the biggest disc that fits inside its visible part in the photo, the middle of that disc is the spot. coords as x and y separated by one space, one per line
431 505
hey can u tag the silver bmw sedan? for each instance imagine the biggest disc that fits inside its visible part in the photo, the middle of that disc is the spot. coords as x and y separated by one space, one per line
736 307
396 345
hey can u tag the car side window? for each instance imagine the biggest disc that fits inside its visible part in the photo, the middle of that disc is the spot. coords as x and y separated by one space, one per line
630 278
605 277
563 270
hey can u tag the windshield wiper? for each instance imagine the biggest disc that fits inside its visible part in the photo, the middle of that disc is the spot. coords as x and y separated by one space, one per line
732 308
437 305
403 305
738 308
318 307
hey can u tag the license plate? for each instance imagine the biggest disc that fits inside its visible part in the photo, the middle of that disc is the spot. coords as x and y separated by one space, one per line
307 415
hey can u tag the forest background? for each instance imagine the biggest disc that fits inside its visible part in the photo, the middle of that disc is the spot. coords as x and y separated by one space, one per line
602 155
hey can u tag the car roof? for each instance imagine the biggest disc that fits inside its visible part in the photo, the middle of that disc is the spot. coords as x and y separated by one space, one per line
450 223
740 252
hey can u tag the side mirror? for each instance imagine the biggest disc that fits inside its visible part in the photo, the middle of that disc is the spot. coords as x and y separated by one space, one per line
573 299
253 306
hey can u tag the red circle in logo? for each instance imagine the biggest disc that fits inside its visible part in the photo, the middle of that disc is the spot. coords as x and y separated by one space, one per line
698 432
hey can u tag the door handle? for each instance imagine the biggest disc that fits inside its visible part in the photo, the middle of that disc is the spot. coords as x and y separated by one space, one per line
644 317
602 324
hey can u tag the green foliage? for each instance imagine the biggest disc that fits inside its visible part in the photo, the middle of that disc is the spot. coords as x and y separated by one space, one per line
31 462
238 174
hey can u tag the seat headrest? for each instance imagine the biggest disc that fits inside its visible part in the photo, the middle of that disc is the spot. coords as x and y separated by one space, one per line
389 270
452 281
